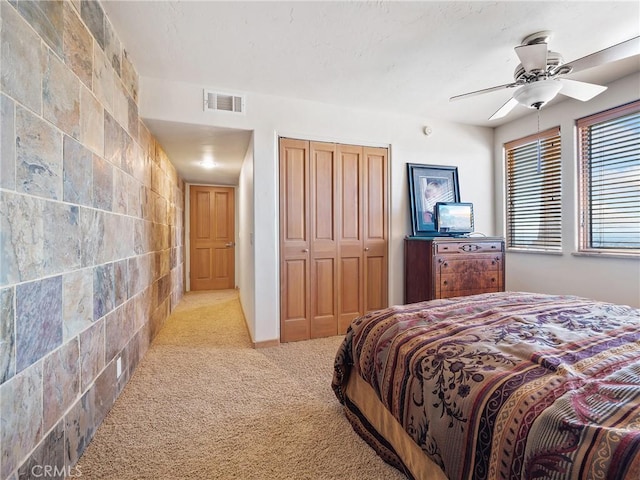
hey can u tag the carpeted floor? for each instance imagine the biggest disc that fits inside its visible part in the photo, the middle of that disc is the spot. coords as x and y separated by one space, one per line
203 404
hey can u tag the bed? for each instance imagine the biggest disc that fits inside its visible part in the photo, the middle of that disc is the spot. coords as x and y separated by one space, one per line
497 386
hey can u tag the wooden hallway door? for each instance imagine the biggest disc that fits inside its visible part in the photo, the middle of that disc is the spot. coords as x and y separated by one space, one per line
212 235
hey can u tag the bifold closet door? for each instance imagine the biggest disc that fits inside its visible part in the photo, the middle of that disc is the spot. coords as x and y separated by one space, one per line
309 269
351 230
323 248
363 232
333 248
375 228
295 287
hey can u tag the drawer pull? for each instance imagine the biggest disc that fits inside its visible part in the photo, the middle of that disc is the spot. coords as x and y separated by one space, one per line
444 283
445 264
469 248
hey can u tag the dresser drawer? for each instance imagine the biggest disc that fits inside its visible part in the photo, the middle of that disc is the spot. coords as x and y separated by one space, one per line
449 283
461 293
468 247
472 265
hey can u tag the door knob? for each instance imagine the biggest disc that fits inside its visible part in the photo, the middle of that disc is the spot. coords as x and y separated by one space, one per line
230 244
366 249
305 250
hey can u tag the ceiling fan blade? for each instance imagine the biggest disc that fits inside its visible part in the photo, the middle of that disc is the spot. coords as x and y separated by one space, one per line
532 57
619 51
485 90
580 90
504 109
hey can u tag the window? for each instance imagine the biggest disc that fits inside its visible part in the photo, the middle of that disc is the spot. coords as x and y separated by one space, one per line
533 192
609 169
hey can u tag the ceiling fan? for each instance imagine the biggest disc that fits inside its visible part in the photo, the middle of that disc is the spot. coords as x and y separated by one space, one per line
540 75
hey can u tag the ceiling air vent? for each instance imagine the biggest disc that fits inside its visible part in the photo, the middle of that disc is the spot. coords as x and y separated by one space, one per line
226 102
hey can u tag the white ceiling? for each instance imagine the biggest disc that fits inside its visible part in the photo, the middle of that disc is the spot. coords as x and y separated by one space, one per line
187 145
385 55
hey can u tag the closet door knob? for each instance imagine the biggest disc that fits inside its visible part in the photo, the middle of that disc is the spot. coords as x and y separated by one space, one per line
305 250
366 249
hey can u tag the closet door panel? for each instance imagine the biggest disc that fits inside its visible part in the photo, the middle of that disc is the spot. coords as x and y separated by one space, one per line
350 201
376 198
375 228
376 285
351 293
351 269
296 277
295 288
323 301
294 307
323 193
324 271
294 178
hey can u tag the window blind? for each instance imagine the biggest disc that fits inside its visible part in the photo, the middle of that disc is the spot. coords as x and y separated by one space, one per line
609 159
534 209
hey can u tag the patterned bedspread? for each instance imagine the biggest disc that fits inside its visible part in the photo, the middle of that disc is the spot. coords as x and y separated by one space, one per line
507 385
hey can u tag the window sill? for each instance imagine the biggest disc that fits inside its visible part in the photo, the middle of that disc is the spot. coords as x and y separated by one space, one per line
626 256
538 252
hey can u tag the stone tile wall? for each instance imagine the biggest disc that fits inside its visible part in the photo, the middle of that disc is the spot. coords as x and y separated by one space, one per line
91 231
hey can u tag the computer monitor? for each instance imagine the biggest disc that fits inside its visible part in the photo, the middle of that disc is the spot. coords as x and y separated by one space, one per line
454 218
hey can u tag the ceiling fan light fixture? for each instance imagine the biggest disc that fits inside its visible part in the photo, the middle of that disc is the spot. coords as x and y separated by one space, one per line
536 94
539 76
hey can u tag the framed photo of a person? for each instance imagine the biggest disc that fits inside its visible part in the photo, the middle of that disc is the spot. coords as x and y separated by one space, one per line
429 184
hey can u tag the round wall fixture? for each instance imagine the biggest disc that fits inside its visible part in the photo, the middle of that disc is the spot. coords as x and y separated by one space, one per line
427 130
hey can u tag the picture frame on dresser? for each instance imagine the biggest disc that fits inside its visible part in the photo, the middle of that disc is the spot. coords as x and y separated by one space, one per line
428 185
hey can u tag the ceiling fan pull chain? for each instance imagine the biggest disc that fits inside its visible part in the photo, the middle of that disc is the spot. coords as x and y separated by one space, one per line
539 146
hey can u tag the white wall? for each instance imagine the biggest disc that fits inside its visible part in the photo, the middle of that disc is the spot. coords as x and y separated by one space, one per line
609 279
468 148
244 240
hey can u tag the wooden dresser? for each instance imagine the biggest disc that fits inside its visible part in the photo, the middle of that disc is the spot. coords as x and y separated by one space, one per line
445 267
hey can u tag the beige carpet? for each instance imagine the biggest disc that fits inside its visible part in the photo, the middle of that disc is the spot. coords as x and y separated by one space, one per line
203 404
